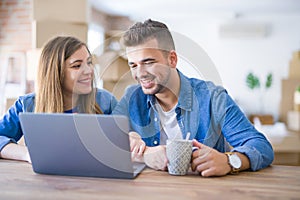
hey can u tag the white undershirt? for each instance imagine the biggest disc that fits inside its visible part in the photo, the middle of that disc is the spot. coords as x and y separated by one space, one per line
169 123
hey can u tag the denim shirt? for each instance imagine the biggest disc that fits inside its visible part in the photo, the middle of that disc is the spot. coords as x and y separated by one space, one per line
205 111
10 128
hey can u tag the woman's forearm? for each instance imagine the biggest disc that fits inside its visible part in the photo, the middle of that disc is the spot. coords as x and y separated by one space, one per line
15 152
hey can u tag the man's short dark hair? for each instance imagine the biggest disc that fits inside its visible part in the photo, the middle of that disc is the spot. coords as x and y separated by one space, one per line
141 32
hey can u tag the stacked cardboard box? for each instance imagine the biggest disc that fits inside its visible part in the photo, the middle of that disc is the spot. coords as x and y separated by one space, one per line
293 120
47 29
59 17
114 72
294 70
113 65
287 100
288 114
52 18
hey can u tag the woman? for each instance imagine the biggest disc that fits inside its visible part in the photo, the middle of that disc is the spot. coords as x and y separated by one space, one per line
64 85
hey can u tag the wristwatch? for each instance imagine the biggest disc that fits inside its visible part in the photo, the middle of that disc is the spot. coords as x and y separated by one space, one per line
234 161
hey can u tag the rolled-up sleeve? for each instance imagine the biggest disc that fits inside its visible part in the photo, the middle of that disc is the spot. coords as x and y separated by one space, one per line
240 133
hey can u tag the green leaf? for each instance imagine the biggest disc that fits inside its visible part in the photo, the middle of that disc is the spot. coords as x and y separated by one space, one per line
269 80
298 89
252 81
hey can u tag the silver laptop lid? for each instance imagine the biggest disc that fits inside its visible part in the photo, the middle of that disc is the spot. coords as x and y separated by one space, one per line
78 144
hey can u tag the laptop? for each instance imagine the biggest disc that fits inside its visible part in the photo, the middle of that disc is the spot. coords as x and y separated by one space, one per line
79 145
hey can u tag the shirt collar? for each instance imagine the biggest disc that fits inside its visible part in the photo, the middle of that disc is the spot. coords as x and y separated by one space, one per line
186 93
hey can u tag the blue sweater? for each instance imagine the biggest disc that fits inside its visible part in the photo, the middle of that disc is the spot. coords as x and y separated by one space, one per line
10 128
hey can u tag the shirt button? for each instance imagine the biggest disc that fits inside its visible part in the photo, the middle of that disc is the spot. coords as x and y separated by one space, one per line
155 119
155 142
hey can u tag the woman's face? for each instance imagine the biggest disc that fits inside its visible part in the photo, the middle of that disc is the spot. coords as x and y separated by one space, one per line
78 73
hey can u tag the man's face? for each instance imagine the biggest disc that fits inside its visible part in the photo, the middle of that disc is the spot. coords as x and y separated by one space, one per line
149 66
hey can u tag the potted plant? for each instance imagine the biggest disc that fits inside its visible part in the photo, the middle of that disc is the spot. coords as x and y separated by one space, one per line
253 82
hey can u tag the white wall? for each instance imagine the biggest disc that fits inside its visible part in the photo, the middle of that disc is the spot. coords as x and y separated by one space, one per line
235 57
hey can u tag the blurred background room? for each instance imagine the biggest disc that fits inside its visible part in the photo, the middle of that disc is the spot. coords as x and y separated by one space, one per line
251 47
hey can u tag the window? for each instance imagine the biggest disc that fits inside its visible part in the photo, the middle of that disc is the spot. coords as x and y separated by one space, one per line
95 42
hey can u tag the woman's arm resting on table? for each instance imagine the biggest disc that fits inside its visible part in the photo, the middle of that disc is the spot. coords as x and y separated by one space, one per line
15 152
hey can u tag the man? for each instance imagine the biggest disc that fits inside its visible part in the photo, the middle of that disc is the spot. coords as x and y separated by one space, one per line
167 104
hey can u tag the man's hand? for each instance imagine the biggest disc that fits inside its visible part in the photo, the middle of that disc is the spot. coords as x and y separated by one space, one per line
137 146
156 158
208 161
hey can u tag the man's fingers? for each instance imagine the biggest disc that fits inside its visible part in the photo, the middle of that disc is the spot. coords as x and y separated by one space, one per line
134 150
197 144
141 149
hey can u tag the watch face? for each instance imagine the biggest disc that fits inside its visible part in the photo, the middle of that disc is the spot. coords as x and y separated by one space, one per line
235 161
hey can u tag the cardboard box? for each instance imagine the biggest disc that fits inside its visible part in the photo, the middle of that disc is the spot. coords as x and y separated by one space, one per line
294 70
61 10
43 31
114 72
293 120
118 87
287 97
296 55
112 66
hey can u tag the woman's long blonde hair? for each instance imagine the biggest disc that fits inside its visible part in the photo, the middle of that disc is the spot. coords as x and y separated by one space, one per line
50 76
